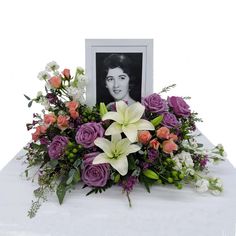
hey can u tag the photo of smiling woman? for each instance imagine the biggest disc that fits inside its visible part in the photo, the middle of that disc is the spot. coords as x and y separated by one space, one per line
119 77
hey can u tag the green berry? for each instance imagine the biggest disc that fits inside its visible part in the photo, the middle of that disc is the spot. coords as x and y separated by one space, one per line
170 180
179 186
181 176
74 150
174 173
70 144
71 155
159 181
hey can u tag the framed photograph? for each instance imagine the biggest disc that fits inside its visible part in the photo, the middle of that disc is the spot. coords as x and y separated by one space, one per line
118 69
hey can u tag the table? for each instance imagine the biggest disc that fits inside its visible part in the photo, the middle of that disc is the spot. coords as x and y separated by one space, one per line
164 211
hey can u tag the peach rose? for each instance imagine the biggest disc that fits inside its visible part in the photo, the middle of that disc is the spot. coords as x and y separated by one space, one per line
72 105
163 133
36 134
62 122
174 137
43 129
144 136
49 119
154 144
66 73
169 146
55 81
74 114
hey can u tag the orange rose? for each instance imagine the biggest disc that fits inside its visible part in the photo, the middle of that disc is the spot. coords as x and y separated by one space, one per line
74 114
36 134
55 81
72 105
144 136
169 146
163 133
49 119
43 129
154 144
66 73
174 137
62 122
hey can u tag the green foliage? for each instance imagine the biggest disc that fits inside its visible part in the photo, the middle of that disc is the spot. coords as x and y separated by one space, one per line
156 121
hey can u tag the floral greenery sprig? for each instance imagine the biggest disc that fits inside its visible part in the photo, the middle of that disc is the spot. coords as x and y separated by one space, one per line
151 143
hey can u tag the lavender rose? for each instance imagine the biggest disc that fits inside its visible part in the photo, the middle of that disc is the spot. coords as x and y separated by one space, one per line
170 120
154 103
57 146
180 107
88 132
94 175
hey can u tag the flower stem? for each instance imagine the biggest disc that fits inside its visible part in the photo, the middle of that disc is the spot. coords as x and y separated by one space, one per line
127 194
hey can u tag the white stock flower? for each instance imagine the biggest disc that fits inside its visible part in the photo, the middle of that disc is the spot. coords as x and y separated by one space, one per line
183 158
215 192
75 93
44 102
127 120
202 185
44 75
115 152
190 171
82 81
178 164
52 66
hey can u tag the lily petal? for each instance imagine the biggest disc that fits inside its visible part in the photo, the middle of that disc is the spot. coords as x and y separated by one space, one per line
144 125
115 138
114 128
121 106
100 159
105 145
134 112
120 164
133 148
112 115
123 145
130 132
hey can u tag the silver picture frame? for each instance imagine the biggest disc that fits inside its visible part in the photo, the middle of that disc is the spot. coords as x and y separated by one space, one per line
141 49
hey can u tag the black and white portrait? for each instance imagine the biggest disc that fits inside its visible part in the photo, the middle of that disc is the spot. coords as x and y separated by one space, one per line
118 77
118 69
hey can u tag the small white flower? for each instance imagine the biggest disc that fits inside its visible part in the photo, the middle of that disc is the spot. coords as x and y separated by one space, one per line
79 70
82 81
183 158
219 183
190 171
75 93
44 102
202 185
39 94
178 164
44 75
52 66
215 192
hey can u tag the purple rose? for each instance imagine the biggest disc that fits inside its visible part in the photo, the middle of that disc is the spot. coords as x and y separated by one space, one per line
57 146
180 107
154 103
88 132
170 120
94 175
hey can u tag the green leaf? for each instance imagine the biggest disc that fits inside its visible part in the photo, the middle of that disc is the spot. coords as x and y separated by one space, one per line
117 178
156 121
150 174
103 109
30 103
53 163
76 178
77 163
27 97
61 192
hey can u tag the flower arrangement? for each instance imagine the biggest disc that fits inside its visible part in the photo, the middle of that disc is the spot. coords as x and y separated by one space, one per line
152 142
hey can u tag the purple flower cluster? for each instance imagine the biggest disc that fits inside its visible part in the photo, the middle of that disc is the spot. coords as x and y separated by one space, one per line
152 154
88 132
180 107
128 183
52 98
154 103
170 120
57 146
94 175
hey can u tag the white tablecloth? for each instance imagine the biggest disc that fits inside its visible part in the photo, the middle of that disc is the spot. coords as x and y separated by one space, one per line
164 211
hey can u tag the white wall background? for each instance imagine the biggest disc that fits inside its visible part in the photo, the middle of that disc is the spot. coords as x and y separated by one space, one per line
194 47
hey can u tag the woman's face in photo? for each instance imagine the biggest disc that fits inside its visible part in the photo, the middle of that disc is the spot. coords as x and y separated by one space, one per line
117 83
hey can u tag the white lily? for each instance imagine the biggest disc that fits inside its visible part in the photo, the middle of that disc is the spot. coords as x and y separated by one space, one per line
128 120
115 152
